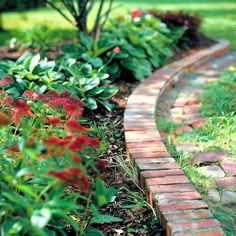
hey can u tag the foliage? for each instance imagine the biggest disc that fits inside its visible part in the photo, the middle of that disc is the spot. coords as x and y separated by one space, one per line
38 37
145 43
79 11
191 22
49 161
30 72
216 106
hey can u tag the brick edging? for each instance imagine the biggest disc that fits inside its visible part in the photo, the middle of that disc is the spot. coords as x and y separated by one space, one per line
180 207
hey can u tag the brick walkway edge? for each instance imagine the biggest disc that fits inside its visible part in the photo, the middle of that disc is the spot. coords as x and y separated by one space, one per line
180 207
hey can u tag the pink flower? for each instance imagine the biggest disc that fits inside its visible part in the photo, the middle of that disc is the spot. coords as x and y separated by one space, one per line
116 50
136 14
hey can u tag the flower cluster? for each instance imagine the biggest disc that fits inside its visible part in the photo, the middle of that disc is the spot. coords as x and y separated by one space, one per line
63 137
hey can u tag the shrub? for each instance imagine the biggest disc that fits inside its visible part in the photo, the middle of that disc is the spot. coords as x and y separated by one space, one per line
191 37
49 166
145 43
38 37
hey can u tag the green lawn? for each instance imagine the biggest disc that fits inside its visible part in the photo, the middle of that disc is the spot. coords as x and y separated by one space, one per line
219 18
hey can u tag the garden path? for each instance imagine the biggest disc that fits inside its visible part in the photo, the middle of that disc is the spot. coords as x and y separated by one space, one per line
181 106
181 209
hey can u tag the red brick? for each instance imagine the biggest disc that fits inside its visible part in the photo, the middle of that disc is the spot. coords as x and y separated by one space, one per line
183 129
141 136
171 197
186 215
226 183
185 205
154 160
173 228
229 167
149 155
148 149
157 189
193 101
198 125
207 232
191 110
162 166
159 173
180 102
171 188
145 144
140 126
166 180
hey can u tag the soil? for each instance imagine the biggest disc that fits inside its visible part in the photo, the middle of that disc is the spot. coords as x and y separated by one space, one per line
140 219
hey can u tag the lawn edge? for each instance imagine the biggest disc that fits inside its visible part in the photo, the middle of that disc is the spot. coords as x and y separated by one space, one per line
179 206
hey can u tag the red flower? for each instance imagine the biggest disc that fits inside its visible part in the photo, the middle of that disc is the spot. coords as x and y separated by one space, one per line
116 50
21 108
32 95
57 102
73 110
52 94
72 176
74 125
101 164
76 159
53 121
6 80
64 94
136 14
8 100
55 141
78 143
93 142
13 149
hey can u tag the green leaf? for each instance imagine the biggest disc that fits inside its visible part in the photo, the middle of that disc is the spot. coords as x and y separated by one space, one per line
90 84
107 105
128 206
138 75
104 219
108 92
95 91
34 62
86 41
94 232
130 64
40 218
21 84
87 57
90 103
11 227
26 189
97 62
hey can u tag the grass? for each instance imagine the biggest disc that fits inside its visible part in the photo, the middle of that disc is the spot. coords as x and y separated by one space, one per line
218 133
219 18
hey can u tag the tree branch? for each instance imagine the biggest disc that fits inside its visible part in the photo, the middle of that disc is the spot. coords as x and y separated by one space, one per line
57 9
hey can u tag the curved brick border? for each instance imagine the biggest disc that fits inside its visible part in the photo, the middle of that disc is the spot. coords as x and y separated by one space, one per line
180 207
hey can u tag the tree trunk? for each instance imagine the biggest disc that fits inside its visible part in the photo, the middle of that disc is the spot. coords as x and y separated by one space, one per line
1 23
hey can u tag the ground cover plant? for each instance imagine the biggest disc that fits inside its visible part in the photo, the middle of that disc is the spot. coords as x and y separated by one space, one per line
44 151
